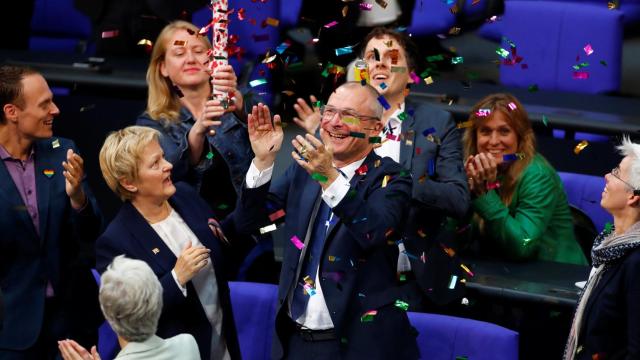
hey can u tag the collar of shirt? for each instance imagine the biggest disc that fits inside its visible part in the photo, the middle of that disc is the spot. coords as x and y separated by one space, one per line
349 170
4 155
394 122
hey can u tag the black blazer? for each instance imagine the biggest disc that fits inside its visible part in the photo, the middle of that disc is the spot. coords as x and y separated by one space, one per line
131 235
361 274
611 319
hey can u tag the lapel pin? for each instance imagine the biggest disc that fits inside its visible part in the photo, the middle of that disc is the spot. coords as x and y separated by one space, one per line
48 172
55 143
155 251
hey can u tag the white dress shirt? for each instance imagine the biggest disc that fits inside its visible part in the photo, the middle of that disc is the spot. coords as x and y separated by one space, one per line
391 145
316 316
175 233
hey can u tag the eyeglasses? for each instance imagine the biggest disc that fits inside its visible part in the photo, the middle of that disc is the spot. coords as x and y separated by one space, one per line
615 172
328 112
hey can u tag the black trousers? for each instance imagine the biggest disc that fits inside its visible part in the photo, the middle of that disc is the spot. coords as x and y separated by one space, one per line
301 346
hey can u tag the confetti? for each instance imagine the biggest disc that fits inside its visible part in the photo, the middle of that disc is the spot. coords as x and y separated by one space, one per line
385 180
402 305
383 86
319 177
384 102
588 49
434 58
375 140
179 43
376 163
48 172
382 3
454 30
448 250
268 229
512 106
145 42
544 120
414 77
431 167
362 170
502 52
493 185
272 22
344 50
608 227
512 157
398 69
603 63
464 124
282 47
297 242
422 233
357 134
466 269
350 120
110 34
55 143
331 24
402 116
580 75
580 65
394 54
368 316
457 60
277 215
465 301
583 144
333 258
428 80
483 112
257 82
453 281
209 155
365 6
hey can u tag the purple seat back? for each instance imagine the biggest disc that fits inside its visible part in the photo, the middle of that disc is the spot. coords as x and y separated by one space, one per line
431 17
550 38
444 337
56 25
585 192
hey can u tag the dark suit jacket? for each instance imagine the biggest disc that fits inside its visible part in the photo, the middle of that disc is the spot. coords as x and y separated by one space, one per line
434 196
62 254
611 318
362 276
131 235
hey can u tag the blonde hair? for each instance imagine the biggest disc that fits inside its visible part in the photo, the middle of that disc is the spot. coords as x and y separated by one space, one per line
163 102
120 155
519 121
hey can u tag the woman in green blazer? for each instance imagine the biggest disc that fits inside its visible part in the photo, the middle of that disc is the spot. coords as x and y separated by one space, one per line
520 206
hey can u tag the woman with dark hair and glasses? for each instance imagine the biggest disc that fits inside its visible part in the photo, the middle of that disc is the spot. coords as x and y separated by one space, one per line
607 319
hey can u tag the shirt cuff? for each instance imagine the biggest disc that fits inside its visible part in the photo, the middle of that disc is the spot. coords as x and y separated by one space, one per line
256 178
182 288
336 191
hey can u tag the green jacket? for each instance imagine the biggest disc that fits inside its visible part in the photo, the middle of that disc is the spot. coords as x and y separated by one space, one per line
537 224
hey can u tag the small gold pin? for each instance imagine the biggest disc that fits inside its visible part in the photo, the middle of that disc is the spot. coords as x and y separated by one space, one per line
155 251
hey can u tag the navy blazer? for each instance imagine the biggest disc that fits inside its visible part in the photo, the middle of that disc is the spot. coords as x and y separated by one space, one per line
437 193
358 265
611 318
62 254
130 234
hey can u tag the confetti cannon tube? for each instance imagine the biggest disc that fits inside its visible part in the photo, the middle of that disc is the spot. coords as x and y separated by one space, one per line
220 36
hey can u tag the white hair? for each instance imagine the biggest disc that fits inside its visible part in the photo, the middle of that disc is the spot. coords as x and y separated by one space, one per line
131 298
631 149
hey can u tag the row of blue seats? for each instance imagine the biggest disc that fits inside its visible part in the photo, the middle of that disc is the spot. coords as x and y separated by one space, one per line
440 337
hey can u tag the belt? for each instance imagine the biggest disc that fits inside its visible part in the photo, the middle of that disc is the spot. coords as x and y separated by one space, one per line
314 335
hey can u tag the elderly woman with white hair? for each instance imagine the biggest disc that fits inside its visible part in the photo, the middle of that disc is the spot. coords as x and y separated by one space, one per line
607 320
131 301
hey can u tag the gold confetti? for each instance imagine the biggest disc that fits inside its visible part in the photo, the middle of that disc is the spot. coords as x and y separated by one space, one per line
273 22
179 43
583 144
385 180
428 80
465 124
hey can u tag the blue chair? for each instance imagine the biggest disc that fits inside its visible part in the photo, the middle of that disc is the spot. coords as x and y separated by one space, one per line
584 192
56 25
254 311
550 35
443 337
108 346
432 17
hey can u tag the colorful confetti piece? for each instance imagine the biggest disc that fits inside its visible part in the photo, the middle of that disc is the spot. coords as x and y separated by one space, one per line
295 241
257 82
319 177
268 229
581 146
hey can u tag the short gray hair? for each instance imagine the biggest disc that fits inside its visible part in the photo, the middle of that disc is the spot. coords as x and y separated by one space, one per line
631 149
373 102
131 298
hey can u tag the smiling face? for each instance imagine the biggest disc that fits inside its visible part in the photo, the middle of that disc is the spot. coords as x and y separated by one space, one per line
496 137
617 194
154 183
380 69
185 60
335 132
34 118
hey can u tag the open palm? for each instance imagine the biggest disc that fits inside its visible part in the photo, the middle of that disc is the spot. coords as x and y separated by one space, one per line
265 136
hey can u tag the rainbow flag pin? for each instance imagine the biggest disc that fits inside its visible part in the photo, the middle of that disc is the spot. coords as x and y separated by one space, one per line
48 172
